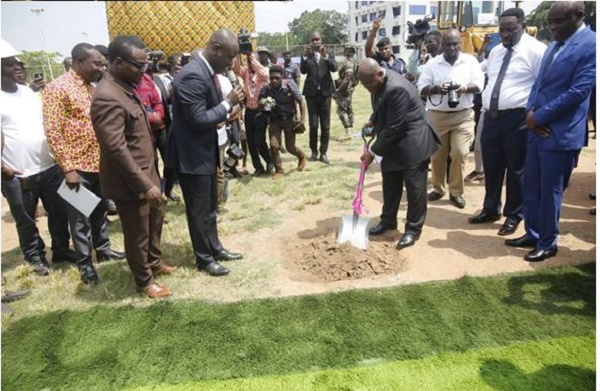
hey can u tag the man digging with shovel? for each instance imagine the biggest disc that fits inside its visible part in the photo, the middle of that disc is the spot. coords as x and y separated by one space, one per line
405 142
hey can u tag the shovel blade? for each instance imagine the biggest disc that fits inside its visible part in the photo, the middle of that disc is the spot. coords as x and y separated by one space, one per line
355 231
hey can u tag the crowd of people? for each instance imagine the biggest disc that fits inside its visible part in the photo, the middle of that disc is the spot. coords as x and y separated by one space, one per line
99 126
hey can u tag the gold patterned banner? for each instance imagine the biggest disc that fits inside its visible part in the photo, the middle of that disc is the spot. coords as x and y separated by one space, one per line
177 26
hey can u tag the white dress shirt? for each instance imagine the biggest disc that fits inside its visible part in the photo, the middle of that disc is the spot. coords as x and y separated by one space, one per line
466 70
523 69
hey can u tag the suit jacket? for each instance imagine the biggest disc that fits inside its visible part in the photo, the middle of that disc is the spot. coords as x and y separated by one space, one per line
127 156
560 95
318 74
192 145
404 139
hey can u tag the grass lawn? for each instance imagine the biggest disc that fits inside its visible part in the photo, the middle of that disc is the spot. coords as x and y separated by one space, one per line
531 330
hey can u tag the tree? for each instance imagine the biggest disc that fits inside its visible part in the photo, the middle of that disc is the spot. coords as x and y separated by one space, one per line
47 63
538 18
332 25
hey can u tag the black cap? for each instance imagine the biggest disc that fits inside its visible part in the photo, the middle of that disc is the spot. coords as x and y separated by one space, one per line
383 42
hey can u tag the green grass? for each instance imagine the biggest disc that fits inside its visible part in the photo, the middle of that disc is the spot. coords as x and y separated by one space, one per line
557 364
181 342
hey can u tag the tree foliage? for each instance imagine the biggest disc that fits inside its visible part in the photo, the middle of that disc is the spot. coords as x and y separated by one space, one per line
41 61
332 25
538 18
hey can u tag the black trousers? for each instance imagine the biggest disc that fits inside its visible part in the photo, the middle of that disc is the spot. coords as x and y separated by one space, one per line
503 148
319 112
256 134
168 180
89 233
415 180
200 196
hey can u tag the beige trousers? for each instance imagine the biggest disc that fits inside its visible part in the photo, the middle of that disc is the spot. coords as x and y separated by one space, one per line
456 130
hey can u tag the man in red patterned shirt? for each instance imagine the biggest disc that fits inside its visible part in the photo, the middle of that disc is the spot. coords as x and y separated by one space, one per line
68 127
255 76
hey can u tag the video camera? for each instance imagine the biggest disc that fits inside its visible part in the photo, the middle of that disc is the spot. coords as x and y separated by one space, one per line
418 31
155 56
234 153
244 42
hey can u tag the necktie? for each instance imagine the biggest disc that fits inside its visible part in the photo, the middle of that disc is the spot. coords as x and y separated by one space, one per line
551 56
218 86
496 91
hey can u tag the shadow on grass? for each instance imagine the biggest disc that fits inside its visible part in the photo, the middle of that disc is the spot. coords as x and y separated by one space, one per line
325 227
552 294
503 375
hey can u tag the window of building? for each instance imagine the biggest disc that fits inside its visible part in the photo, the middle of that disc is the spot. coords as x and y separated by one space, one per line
364 3
356 37
372 16
356 20
365 18
396 30
382 32
417 9
396 49
364 35
433 10
487 7
396 11
356 5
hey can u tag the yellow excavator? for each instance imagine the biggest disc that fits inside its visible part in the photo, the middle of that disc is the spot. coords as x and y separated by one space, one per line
474 20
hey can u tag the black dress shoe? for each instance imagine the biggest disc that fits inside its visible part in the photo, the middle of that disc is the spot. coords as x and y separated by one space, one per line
214 269
537 255
524 241
40 265
67 255
228 256
89 275
484 217
458 201
324 159
509 227
110 255
407 240
270 167
381 228
434 196
313 157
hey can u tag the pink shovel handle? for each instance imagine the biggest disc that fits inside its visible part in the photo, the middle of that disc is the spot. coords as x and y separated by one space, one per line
357 204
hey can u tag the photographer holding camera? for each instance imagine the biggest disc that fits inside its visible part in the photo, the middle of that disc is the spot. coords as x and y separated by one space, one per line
255 76
449 82
284 95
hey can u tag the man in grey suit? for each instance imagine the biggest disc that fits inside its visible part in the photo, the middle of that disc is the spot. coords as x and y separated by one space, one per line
404 141
192 147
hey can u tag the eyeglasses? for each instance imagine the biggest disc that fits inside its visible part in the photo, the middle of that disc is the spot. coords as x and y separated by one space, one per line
141 66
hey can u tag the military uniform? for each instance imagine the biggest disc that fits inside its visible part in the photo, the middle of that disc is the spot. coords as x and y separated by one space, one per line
343 96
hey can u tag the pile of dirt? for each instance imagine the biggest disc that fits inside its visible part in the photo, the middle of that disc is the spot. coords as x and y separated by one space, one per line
326 260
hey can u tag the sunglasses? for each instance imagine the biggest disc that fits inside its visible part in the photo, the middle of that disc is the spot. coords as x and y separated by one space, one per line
141 66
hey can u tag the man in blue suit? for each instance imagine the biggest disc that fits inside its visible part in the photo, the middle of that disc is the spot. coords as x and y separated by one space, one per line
192 147
556 118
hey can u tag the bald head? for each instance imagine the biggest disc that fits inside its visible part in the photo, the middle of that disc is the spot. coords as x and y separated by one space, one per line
564 18
371 75
222 48
451 45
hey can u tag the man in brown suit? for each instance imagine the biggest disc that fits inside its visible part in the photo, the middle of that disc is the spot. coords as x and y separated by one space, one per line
128 170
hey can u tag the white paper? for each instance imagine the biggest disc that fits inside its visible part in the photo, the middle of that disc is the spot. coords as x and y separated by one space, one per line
377 158
83 200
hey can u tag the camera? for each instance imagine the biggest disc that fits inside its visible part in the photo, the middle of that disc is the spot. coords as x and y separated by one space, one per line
38 76
244 42
418 31
185 58
452 94
155 56
234 153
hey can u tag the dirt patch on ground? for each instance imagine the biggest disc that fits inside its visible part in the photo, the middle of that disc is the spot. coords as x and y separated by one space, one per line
323 259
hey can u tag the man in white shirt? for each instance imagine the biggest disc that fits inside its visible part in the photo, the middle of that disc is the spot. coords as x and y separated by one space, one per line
29 172
449 82
512 69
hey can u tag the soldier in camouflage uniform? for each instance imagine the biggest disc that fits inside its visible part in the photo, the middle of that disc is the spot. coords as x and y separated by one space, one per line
348 79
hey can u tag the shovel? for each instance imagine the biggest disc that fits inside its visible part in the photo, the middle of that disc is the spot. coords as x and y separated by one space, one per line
354 228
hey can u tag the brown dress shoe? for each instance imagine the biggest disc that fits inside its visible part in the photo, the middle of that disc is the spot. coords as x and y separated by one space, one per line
154 290
164 270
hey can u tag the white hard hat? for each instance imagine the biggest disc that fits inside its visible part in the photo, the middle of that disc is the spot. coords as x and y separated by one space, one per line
7 50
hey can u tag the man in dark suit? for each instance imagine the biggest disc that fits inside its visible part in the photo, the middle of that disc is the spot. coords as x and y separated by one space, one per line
317 65
556 118
404 141
192 146
128 170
